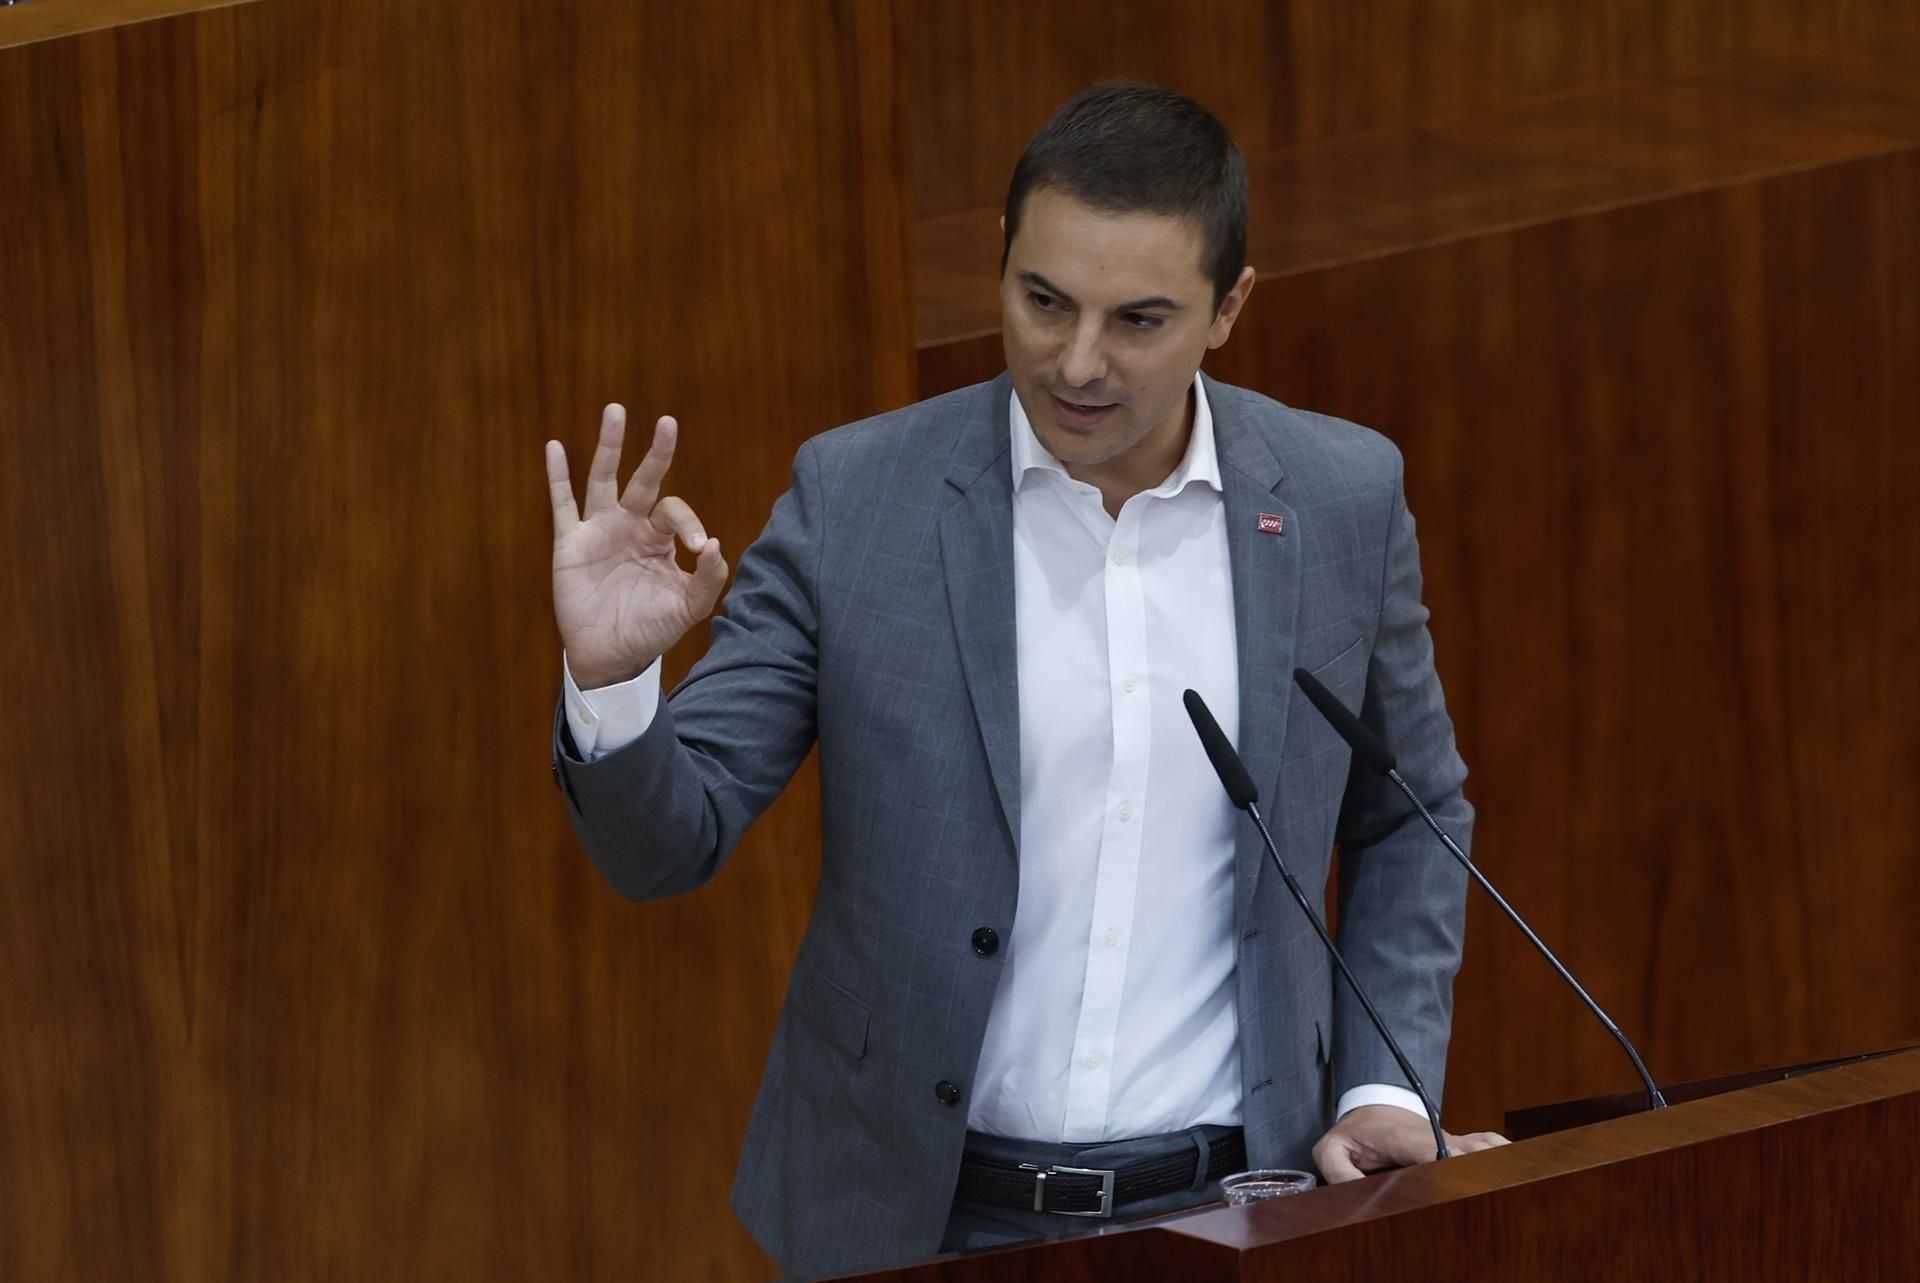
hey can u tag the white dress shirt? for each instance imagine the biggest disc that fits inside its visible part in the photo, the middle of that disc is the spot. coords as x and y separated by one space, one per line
1114 1016
1115 1012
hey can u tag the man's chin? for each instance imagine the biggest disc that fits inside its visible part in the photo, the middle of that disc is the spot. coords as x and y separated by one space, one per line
1075 450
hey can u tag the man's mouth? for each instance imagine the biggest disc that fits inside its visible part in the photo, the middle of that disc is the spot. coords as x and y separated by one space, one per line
1075 414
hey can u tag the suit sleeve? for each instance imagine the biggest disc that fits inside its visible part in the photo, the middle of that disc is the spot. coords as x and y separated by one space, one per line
1402 897
660 815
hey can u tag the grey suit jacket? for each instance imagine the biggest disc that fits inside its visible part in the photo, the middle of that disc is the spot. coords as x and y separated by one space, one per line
875 615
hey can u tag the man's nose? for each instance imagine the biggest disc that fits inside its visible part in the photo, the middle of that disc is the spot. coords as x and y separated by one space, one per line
1084 363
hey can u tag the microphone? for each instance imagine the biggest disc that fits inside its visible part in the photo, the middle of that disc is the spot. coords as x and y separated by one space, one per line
1244 796
1367 747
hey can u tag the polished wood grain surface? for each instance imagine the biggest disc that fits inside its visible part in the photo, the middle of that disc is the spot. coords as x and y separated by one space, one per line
1539 1120
1774 1183
987 74
50 19
1474 174
1892 1085
305 977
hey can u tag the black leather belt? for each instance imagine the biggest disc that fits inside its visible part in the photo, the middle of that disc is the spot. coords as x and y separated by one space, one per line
1094 1191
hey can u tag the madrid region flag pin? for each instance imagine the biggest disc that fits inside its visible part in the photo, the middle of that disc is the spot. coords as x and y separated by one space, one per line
1271 523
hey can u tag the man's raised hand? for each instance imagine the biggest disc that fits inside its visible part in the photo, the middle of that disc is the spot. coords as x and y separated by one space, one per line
619 597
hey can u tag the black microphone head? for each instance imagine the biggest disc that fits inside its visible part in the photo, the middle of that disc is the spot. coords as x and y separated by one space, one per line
1364 743
1226 762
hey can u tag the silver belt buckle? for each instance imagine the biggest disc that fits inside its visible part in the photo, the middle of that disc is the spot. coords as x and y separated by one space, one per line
1040 1188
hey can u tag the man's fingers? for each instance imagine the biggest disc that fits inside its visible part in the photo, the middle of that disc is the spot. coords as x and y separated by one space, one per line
709 578
1475 1140
1335 1163
560 490
603 478
643 490
672 516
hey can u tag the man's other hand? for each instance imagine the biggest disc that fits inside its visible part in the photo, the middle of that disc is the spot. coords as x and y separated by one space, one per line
1373 1138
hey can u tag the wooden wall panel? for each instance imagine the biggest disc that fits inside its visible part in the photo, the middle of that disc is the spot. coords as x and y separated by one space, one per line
305 977
1663 458
985 76
1319 205
1650 347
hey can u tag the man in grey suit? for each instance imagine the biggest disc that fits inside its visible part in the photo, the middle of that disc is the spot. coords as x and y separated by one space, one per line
1049 979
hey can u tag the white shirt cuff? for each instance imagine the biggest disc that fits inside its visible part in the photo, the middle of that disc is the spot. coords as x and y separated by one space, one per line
611 717
1380 1094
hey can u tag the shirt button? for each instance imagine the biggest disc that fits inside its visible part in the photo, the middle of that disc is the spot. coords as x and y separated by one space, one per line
986 942
1093 1062
946 1093
1126 812
1119 558
1129 685
1111 938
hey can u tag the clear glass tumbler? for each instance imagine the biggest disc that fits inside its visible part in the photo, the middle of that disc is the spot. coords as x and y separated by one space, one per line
1266 1182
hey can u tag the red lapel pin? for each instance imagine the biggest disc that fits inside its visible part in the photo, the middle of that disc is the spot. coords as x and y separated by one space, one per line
1271 523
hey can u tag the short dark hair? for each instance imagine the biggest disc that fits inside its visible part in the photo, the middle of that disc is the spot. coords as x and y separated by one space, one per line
1123 146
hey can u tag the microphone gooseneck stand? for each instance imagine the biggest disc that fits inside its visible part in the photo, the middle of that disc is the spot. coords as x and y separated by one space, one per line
1242 793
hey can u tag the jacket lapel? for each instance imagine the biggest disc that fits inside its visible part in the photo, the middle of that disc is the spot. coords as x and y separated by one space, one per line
1266 598
976 547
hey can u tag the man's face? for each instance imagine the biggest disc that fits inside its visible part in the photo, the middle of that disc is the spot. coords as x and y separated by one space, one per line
1105 318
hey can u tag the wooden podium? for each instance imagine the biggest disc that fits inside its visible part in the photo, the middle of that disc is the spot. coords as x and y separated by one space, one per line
1811 1178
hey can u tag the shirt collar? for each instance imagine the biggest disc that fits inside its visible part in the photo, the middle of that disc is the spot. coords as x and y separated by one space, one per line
1200 463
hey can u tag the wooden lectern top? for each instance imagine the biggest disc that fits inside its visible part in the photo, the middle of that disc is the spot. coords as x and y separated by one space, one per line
1816 1177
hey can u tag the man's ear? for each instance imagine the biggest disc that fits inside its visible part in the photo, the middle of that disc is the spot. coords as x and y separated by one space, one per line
1230 308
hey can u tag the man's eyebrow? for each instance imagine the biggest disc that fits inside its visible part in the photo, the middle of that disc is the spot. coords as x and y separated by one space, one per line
1159 302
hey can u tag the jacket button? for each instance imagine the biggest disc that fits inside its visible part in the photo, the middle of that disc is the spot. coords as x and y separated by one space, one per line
947 1092
986 942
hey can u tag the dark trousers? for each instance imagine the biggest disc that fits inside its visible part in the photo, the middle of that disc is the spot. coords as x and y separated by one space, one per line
973 1227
